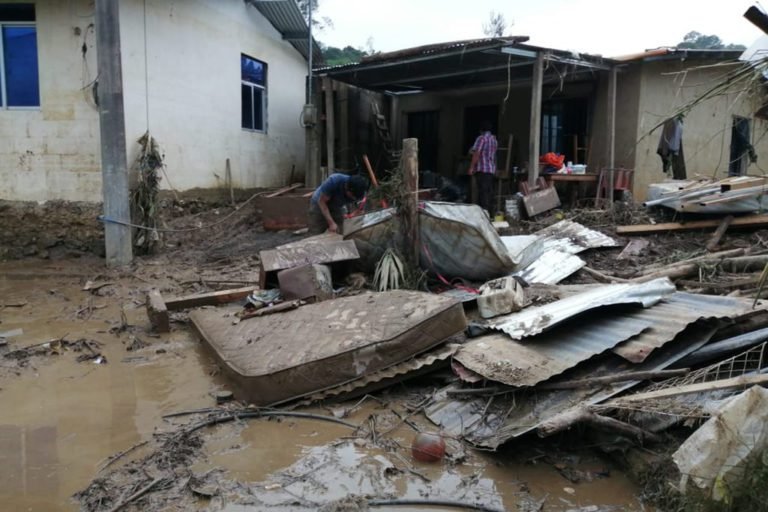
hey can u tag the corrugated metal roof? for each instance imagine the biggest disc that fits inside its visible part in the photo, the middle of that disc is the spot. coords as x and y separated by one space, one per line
286 17
513 415
657 53
532 321
641 330
670 316
500 359
551 267
549 257
458 64
396 372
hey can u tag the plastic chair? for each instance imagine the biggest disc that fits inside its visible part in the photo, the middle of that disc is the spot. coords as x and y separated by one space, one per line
623 181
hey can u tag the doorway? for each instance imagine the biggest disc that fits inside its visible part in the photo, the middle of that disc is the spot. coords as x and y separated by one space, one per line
474 118
425 126
740 147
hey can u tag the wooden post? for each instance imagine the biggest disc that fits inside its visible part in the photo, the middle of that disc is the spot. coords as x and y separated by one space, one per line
114 167
410 161
345 153
611 133
534 140
330 132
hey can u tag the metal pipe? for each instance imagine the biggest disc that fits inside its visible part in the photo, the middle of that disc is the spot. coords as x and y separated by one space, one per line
720 348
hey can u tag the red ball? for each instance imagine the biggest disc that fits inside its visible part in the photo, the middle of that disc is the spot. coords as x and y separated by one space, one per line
428 447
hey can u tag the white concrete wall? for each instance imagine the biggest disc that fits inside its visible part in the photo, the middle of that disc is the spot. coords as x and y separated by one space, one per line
190 79
706 129
52 152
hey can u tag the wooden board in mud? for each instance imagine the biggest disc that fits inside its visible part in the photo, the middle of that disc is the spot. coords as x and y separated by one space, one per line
287 355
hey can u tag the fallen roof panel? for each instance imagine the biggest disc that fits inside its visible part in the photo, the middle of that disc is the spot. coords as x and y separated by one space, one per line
490 422
532 321
547 257
671 316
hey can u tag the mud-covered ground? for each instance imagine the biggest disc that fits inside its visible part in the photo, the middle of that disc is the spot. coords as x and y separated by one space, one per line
86 385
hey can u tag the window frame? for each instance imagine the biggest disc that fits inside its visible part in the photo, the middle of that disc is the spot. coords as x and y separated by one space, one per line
3 78
252 86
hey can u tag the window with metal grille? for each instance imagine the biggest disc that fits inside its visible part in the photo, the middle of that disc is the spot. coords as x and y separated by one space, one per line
253 87
19 79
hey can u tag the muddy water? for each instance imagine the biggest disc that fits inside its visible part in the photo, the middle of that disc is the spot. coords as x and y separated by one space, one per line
60 420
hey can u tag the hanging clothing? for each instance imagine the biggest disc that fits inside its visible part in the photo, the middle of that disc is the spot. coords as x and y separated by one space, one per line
670 148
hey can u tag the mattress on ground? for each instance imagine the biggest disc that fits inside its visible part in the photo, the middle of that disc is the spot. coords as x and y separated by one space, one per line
287 355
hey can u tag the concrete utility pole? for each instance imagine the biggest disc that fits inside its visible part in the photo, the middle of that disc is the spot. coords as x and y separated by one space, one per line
114 167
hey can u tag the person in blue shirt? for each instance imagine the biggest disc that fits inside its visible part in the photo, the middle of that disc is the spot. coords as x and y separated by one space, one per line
326 208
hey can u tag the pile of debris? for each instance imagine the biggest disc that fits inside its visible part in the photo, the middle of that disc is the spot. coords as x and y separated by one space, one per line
528 354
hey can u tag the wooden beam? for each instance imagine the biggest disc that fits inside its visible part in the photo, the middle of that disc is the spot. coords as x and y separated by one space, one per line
209 299
741 381
410 159
158 312
752 221
345 153
534 140
611 133
619 377
330 126
114 166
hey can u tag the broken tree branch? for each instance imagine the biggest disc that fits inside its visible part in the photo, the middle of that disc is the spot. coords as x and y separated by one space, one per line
569 418
719 232
619 377
138 494
604 278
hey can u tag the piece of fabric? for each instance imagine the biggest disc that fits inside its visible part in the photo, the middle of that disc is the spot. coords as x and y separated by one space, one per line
485 192
670 148
335 187
552 160
485 146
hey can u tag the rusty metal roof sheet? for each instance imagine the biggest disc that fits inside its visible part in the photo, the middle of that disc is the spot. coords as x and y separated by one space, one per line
490 424
636 331
532 321
671 316
551 268
514 363
411 368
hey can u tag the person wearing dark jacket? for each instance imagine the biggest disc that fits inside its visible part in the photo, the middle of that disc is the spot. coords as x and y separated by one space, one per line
326 208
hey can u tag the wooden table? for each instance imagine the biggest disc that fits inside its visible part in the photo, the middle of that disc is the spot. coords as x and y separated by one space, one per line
573 182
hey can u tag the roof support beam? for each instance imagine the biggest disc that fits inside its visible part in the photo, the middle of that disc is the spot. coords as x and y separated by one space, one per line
438 76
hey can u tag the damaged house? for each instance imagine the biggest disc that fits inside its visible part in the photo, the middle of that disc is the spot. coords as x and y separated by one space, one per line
442 93
217 84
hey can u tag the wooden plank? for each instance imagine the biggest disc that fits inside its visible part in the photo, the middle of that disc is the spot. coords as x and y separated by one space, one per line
284 190
158 312
642 229
411 178
583 178
209 299
734 382
541 201
611 132
742 182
